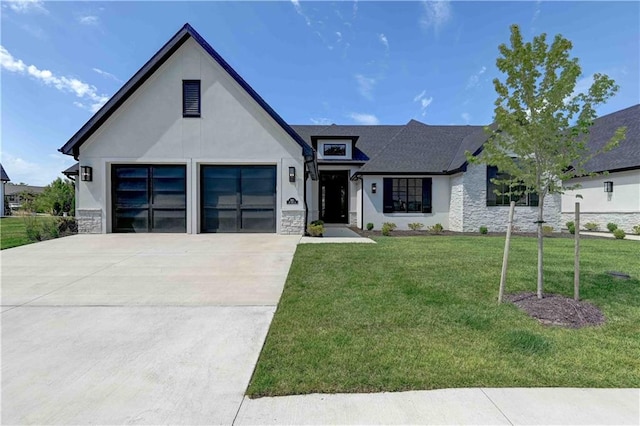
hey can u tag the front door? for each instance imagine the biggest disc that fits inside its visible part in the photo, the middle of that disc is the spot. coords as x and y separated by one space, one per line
334 196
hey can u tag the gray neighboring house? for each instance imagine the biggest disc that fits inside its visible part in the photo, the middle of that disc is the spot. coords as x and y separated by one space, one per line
14 194
186 145
4 178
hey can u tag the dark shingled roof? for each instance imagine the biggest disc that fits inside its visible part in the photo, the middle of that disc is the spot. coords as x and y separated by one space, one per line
624 156
3 175
72 171
165 52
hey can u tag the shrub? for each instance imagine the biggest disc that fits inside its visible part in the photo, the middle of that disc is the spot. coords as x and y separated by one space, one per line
67 225
591 226
612 226
387 227
547 230
570 224
636 229
572 229
416 226
369 226
484 230
32 228
317 222
50 228
619 234
316 230
436 229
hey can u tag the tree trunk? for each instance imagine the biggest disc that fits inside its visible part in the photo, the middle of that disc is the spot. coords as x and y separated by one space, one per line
540 236
576 265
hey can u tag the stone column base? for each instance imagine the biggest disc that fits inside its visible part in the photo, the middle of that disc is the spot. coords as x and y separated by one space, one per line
89 221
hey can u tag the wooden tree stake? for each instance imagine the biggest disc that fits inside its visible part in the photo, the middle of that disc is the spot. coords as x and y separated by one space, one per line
505 257
576 265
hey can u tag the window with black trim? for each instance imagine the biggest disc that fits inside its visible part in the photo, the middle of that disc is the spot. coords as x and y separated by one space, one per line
505 192
407 195
337 149
191 98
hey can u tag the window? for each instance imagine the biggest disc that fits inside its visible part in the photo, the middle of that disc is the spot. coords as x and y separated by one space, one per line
407 195
191 98
506 193
335 149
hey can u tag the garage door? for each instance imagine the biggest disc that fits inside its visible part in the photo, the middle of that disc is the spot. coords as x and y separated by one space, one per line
149 198
238 198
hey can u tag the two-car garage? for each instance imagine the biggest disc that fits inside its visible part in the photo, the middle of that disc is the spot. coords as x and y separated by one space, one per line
232 198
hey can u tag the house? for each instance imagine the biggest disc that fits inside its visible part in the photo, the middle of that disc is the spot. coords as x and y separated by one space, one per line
614 196
4 178
15 194
186 145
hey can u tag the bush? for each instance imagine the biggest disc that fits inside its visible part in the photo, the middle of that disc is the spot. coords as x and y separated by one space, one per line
619 234
317 222
547 230
484 230
572 228
369 226
316 230
636 229
32 228
570 224
436 229
591 226
67 225
416 226
612 226
50 229
387 227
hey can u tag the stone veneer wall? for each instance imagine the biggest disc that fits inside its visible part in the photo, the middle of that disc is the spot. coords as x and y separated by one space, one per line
456 203
625 221
292 222
476 213
89 221
353 219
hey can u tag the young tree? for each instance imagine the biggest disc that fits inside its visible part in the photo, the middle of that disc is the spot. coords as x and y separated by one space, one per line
58 197
539 136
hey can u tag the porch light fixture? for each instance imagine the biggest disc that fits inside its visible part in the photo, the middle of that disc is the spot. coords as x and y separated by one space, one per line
292 174
86 173
374 188
608 186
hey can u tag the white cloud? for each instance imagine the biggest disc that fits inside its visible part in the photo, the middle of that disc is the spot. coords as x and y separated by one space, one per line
383 40
88 20
79 88
435 14
475 78
298 8
26 6
365 86
466 117
424 101
367 119
38 172
355 8
321 121
107 74
339 35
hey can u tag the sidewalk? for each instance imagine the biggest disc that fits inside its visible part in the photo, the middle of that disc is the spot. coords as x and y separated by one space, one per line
495 406
610 235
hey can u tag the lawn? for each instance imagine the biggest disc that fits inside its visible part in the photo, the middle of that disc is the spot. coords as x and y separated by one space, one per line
421 313
13 231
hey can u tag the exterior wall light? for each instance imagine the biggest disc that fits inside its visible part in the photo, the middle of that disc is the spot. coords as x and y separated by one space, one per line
292 174
608 186
374 188
86 174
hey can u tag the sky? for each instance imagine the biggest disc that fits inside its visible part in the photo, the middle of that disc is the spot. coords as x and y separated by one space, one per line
347 62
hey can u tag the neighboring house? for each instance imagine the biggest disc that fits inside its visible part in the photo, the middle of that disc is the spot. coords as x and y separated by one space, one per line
15 193
187 145
4 178
614 196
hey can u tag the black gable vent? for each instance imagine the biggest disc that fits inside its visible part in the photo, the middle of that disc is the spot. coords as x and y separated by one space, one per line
191 98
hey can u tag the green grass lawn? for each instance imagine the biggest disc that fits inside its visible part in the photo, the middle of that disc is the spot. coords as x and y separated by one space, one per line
13 231
422 313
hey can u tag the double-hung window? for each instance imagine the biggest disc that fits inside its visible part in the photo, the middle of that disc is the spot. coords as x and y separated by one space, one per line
505 192
407 195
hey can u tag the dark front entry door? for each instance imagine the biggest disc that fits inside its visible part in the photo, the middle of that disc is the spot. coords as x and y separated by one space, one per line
334 196
238 198
149 198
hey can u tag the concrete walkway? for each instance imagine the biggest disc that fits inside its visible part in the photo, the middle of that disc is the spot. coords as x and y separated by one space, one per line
610 235
486 406
142 329
337 234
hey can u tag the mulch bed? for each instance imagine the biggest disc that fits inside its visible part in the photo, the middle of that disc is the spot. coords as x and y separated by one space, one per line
558 310
423 233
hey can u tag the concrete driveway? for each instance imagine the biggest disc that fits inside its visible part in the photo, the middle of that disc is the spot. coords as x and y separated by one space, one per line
145 329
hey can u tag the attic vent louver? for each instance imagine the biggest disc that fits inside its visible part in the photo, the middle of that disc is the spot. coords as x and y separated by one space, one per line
191 98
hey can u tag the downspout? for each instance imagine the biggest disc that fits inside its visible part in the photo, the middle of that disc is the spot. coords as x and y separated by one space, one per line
306 206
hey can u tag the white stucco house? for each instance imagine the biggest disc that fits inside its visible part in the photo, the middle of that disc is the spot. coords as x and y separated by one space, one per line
186 145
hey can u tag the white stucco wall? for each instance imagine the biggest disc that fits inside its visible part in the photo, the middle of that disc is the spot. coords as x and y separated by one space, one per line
476 213
373 204
622 206
149 128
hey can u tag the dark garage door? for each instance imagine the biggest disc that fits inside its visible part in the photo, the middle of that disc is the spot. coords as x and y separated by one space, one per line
149 198
238 198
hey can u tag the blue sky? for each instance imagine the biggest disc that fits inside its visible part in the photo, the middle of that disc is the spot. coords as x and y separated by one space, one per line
313 62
